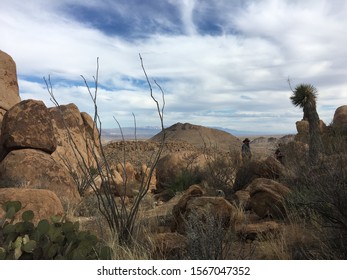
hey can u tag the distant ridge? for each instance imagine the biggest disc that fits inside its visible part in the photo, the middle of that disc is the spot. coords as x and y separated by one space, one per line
129 133
199 136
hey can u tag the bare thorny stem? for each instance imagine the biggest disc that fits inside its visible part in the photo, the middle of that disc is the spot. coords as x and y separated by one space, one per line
106 202
120 219
145 182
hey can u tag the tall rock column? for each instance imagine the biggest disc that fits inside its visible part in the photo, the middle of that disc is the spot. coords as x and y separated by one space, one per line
9 93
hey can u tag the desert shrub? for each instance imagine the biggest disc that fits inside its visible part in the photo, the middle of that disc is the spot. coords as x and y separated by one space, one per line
269 168
334 140
121 219
209 238
58 239
319 198
184 179
83 181
88 207
221 171
205 237
295 155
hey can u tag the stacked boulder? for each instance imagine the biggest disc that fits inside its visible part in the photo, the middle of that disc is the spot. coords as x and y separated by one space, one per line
192 214
77 137
194 206
27 143
41 148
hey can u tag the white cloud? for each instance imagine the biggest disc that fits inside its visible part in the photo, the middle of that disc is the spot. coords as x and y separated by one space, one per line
236 78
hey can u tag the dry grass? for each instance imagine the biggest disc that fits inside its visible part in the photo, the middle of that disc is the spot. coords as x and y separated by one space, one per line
307 233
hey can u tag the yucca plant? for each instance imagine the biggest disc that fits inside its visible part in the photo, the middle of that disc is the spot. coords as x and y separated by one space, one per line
305 96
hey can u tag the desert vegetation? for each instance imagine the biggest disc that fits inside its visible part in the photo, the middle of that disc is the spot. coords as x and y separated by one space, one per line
183 194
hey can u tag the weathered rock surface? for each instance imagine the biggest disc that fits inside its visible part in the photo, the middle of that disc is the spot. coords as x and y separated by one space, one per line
127 172
27 125
260 230
267 198
143 175
34 169
9 93
193 207
160 218
115 184
269 168
173 165
340 116
303 130
92 133
44 203
74 135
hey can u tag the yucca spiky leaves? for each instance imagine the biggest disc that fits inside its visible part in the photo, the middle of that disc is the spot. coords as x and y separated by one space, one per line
304 95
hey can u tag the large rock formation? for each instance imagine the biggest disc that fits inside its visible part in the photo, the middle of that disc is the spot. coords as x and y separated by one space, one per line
43 148
9 94
193 207
77 138
43 203
269 168
34 169
340 116
173 165
303 130
267 198
27 125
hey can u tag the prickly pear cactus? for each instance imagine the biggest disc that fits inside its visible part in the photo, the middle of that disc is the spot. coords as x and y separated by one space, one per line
49 240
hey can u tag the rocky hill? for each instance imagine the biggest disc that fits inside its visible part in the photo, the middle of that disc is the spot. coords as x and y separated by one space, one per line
200 137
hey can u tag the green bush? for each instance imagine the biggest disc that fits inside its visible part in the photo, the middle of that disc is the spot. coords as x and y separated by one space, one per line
185 179
319 198
55 240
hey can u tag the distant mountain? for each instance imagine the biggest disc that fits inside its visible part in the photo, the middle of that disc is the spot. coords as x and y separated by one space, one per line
200 136
240 132
142 133
148 132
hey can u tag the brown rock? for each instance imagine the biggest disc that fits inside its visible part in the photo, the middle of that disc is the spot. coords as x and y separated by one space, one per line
303 130
9 93
243 198
159 217
2 114
114 182
127 173
269 168
28 125
90 127
44 203
192 191
194 206
92 135
143 176
340 116
264 229
302 127
266 198
173 165
34 169
73 134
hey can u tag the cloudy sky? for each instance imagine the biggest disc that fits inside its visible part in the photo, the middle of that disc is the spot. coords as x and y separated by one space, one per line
221 63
